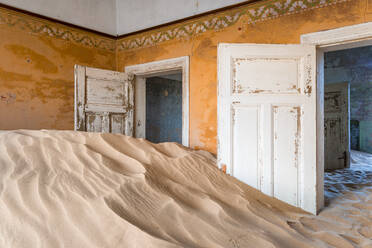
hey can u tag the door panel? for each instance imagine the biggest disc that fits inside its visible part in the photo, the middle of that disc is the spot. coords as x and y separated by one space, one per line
245 130
253 75
336 126
267 119
103 101
286 151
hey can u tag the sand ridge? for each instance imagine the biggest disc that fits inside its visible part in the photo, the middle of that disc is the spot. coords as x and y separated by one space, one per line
76 189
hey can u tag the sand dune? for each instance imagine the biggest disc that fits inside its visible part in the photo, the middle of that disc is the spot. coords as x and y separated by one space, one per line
75 189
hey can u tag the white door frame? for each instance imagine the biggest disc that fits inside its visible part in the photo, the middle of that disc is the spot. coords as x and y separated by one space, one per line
158 68
325 41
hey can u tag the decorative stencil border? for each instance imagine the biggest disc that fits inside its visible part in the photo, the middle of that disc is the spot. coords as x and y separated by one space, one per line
38 26
252 12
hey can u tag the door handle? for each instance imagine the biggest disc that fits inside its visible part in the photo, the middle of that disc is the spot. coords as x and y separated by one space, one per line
343 156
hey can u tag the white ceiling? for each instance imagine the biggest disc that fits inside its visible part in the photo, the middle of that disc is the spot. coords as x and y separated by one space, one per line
99 15
118 17
135 15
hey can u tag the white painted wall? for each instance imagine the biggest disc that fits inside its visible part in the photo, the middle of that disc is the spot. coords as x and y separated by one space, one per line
134 15
99 15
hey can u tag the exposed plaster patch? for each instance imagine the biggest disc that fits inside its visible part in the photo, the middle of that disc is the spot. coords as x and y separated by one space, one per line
7 97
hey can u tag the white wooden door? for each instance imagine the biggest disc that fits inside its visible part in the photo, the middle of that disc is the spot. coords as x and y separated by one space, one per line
267 119
336 126
103 101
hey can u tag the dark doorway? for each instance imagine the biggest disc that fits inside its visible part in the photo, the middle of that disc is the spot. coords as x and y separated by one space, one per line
164 108
354 66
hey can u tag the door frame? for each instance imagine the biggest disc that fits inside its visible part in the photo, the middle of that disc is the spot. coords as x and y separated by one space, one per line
331 40
159 68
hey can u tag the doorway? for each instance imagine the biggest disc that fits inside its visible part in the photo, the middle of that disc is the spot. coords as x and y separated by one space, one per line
162 100
354 66
270 110
347 120
332 45
164 108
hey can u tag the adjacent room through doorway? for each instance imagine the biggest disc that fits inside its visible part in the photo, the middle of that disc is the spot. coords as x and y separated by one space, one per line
347 120
164 108
161 100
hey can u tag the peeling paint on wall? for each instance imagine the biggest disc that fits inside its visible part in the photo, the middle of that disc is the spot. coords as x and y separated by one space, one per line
250 13
37 71
36 26
44 91
7 97
201 46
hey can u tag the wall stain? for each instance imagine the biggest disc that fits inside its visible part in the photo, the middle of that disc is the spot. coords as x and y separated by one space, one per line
7 78
82 55
206 50
144 55
52 89
38 60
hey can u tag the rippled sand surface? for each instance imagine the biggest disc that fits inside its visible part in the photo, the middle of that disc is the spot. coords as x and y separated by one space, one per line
74 189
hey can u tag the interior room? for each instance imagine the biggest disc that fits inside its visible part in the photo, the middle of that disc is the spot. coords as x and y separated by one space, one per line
164 108
347 119
186 123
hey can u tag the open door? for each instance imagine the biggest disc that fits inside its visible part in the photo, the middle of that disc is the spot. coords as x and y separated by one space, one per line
267 119
336 126
103 101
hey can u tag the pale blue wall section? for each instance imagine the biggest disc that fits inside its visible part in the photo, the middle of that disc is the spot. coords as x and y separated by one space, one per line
163 110
354 66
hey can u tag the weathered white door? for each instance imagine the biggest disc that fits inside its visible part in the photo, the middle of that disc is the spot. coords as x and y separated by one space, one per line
267 119
336 126
103 101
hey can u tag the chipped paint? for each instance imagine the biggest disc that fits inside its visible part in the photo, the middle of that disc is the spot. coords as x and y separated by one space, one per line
51 105
38 71
297 141
247 66
308 76
8 97
202 51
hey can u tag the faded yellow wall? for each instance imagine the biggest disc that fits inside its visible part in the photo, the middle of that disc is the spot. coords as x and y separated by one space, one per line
37 61
202 48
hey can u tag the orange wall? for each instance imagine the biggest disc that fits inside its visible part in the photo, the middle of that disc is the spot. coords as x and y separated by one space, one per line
37 60
202 49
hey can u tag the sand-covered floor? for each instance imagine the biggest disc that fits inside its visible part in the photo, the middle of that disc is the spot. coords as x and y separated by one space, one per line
73 189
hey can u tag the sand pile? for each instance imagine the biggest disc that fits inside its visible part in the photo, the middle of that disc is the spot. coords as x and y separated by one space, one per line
72 189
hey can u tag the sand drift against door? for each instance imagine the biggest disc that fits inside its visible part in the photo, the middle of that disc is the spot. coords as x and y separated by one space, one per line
77 189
